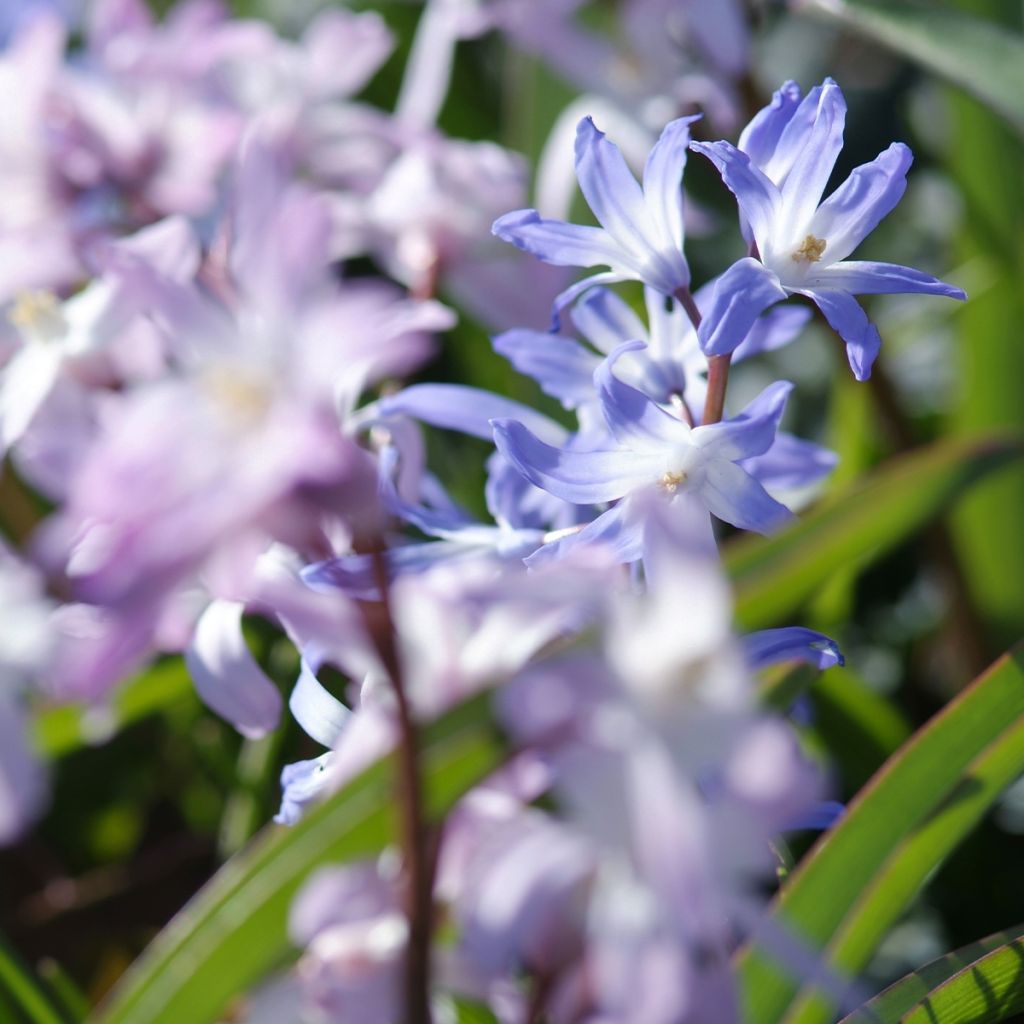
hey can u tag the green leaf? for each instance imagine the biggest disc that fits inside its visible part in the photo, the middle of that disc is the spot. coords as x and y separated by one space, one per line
984 59
860 877
63 730
775 575
979 984
235 929
19 988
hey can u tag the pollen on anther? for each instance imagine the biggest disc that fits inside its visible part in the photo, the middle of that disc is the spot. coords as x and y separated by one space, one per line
810 250
671 481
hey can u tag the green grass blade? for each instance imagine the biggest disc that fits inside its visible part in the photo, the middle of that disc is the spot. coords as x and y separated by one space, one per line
22 991
952 981
775 575
857 881
984 59
234 930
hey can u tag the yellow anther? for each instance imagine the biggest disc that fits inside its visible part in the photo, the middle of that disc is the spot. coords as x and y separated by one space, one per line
246 397
810 250
38 315
671 482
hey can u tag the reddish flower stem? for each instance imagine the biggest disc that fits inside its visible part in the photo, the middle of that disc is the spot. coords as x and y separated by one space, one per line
718 366
415 840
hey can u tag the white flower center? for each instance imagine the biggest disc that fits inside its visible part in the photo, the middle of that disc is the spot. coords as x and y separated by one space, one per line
809 250
38 316
679 468
243 395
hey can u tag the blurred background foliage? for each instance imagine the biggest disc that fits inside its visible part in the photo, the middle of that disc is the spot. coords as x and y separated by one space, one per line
153 794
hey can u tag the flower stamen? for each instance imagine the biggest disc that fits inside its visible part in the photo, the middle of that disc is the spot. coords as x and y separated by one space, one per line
810 250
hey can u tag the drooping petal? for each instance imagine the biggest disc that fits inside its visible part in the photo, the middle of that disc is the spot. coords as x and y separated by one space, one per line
562 367
554 241
320 714
750 433
854 210
735 497
758 197
846 317
226 675
467 410
863 277
302 783
584 478
740 296
791 643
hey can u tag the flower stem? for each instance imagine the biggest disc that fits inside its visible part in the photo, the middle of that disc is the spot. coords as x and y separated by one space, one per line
718 381
686 300
414 838
718 366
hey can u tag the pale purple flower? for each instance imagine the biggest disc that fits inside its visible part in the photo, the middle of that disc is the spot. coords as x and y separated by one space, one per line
96 339
354 933
778 176
654 450
641 232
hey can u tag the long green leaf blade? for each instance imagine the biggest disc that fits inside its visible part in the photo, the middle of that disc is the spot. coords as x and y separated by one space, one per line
23 991
981 983
774 575
235 929
923 801
984 59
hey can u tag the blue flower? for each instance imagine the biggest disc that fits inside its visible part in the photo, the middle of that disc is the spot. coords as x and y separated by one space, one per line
801 243
653 449
641 232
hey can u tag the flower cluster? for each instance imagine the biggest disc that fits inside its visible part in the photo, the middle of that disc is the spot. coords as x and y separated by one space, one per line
192 376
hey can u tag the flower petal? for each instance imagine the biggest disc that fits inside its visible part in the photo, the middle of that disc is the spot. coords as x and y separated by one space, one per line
776 328
562 367
863 277
750 433
634 420
606 320
791 462
320 714
467 410
611 190
740 296
791 643
735 497
816 147
758 197
663 188
226 675
760 138
854 210
554 241
583 478
846 317
616 530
